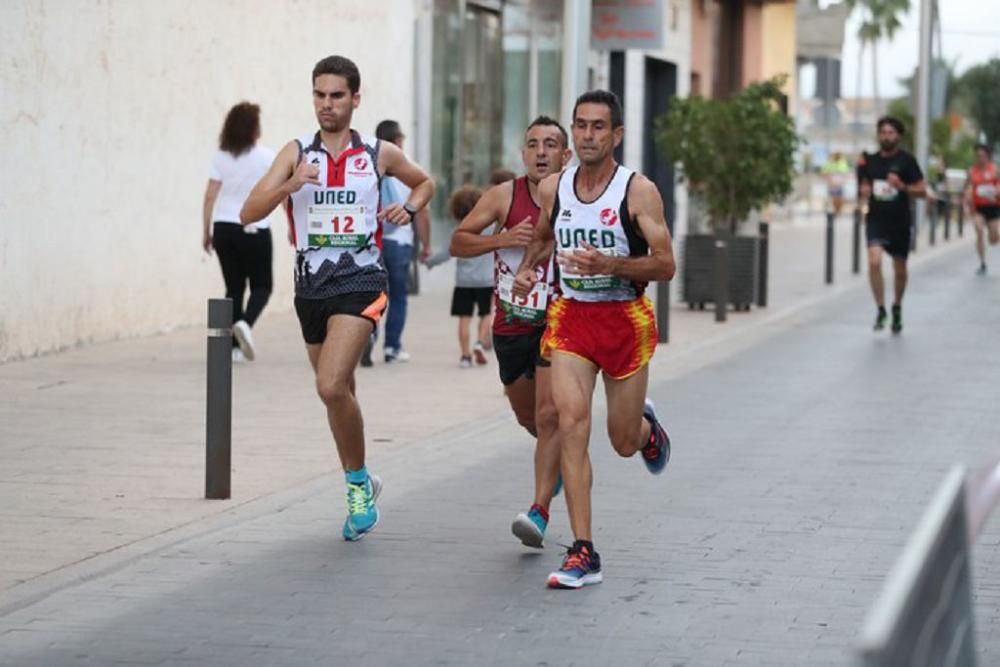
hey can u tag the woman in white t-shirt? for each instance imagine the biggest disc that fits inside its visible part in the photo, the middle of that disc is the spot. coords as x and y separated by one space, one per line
244 252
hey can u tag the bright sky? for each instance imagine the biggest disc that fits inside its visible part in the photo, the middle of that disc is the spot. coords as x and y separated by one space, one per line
970 35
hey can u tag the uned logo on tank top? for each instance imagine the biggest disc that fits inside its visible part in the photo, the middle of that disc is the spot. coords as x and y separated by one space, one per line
609 217
360 164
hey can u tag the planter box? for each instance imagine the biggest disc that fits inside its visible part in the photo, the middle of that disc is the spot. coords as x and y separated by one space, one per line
697 266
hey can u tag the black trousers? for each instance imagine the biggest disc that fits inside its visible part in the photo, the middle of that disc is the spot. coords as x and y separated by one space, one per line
244 258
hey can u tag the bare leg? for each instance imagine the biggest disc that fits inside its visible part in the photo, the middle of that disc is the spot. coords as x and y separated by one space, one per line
573 382
980 241
521 395
994 226
463 335
547 449
899 274
334 362
875 274
485 326
628 430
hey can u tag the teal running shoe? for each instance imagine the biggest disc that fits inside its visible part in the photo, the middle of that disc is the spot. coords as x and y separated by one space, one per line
362 514
529 527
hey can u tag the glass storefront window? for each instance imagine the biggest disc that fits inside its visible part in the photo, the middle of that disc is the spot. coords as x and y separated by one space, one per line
532 51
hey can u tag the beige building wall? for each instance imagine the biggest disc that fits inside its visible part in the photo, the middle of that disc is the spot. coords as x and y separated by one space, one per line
109 115
779 50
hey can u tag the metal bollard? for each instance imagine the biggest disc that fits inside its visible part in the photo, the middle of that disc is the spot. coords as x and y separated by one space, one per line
947 219
219 399
762 243
721 279
663 311
829 247
932 223
856 257
961 219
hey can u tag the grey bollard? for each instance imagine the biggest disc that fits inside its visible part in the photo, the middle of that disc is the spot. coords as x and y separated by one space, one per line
932 223
961 218
762 242
663 311
721 279
856 257
947 219
829 248
413 279
219 399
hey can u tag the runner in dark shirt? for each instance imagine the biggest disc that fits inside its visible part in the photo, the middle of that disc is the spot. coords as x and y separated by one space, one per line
887 180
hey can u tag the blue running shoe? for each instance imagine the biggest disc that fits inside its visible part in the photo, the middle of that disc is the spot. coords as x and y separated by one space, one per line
656 452
362 514
530 527
558 489
581 567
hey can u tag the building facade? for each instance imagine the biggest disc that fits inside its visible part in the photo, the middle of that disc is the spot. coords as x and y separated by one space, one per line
110 113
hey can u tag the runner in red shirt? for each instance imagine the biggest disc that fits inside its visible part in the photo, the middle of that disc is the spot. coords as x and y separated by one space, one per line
982 194
519 321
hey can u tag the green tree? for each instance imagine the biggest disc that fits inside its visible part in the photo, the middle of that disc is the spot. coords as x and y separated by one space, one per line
880 20
737 152
979 89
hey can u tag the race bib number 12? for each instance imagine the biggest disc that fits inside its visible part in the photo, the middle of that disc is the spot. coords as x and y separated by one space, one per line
336 226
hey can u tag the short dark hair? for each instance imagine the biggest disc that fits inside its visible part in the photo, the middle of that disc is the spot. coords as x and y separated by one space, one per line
605 97
545 121
240 129
892 121
985 148
462 201
340 66
388 130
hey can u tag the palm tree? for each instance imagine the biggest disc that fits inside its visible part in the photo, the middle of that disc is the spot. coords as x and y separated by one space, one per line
881 19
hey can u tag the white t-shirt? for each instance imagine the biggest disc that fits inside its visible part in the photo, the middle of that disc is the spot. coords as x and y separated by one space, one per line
238 176
394 191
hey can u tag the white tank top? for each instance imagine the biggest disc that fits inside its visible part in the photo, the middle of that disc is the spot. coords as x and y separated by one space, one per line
334 226
605 224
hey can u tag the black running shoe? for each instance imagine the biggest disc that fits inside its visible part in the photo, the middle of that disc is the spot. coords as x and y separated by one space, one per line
581 567
366 356
897 319
981 271
880 319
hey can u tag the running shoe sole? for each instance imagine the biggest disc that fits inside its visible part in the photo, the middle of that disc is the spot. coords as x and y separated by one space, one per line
376 490
241 330
525 530
654 467
480 357
561 580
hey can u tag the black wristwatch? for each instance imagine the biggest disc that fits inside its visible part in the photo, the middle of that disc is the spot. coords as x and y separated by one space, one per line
411 209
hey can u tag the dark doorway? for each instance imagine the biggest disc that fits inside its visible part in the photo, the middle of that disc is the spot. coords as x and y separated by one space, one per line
661 87
617 84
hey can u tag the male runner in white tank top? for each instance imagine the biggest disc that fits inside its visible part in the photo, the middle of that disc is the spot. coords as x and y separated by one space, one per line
331 180
607 227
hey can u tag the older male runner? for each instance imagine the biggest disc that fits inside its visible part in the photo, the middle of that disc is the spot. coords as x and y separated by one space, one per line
607 225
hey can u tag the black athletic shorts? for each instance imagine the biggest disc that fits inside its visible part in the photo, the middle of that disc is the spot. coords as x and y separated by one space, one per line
894 236
989 213
315 313
518 355
465 299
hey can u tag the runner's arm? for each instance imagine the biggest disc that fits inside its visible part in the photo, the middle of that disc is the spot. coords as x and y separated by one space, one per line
277 185
422 221
646 207
467 239
394 162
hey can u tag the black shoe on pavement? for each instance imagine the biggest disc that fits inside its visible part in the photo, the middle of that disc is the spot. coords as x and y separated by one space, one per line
366 356
897 319
880 319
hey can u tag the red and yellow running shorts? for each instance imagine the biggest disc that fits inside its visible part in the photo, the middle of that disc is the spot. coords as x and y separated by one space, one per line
619 337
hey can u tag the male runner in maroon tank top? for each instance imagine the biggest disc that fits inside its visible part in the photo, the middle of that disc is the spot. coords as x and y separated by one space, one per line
520 321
